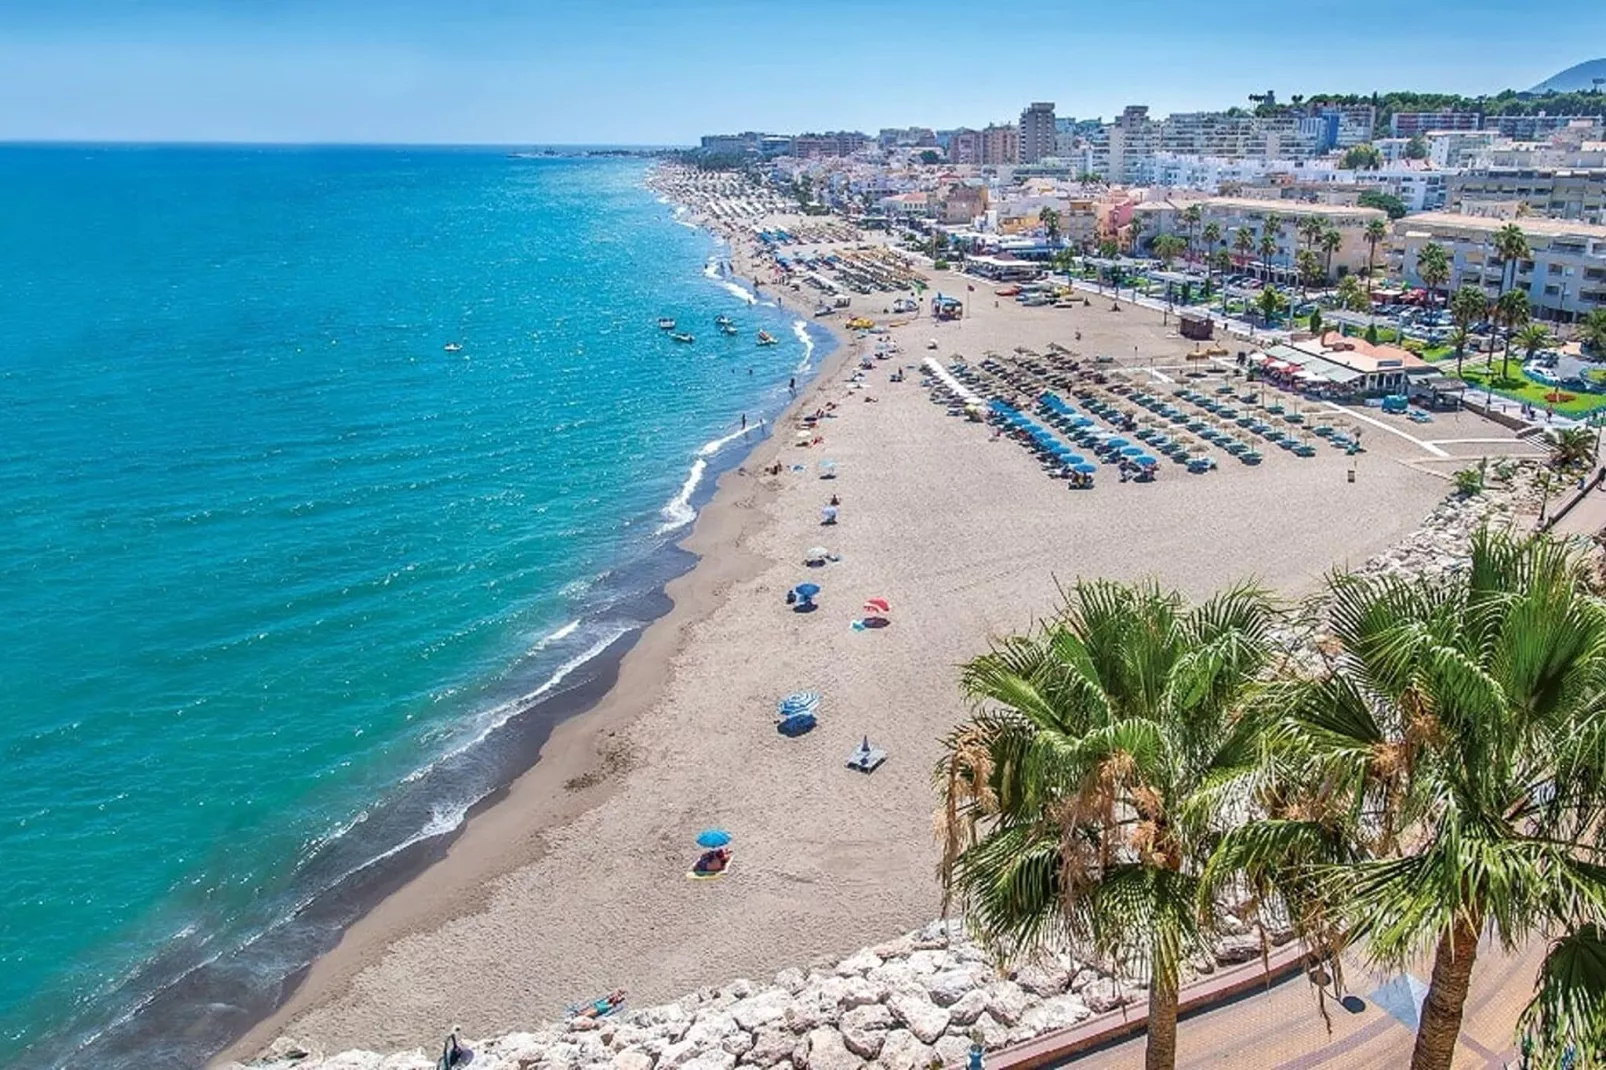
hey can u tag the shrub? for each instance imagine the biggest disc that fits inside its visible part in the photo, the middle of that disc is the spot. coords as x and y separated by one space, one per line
1469 481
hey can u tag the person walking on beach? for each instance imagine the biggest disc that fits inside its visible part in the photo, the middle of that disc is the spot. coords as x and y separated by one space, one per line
791 384
744 421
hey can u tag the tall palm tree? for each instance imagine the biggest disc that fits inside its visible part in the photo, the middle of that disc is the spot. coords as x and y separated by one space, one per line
1459 338
1191 217
1511 245
1268 249
1432 267
1271 227
1223 263
1211 236
1511 309
1376 232
1167 247
1331 241
1080 804
1456 741
1243 240
1310 229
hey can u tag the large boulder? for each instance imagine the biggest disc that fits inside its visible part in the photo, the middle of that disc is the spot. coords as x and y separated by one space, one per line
894 974
902 1050
946 987
736 1044
953 1051
1007 1001
924 1019
930 961
791 980
864 1028
770 1046
1105 994
354 1060
994 1035
896 948
710 1028
859 992
1244 948
1043 979
826 1051
967 1008
632 1060
1058 1012
762 1008
857 965
711 1060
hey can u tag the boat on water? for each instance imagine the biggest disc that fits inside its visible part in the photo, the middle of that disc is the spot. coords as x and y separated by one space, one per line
727 328
453 347
765 338
682 336
665 323
723 321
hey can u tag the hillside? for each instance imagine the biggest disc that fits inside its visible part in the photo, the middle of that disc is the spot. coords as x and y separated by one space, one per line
1574 79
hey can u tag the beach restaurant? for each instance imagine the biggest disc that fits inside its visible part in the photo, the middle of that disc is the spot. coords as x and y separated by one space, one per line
1003 268
1338 367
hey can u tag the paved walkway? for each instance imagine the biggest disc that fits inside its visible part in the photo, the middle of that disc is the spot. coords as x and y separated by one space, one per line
1282 1029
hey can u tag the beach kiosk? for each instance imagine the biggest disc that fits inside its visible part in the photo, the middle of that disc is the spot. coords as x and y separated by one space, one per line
1198 326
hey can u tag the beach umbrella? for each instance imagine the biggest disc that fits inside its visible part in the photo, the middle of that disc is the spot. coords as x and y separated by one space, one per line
712 838
877 605
827 469
828 514
1146 461
806 591
1085 469
815 554
799 702
1132 451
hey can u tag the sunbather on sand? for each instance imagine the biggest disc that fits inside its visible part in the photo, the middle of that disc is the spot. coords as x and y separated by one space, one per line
713 861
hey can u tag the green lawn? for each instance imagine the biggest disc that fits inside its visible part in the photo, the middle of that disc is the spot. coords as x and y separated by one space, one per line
1519 386
1433 354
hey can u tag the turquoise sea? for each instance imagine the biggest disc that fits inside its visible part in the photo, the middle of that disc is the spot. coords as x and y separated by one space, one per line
279 569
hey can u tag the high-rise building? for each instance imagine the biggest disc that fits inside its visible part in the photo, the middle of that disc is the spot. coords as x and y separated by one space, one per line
1000 144
1411 123
964 146
1037 132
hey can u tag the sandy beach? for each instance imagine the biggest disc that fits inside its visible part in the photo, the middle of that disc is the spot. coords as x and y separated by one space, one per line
574 884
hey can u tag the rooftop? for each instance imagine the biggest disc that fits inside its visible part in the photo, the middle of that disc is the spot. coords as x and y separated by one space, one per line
1291 208
1549 228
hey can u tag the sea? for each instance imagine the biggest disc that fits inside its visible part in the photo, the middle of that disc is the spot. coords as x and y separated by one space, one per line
330 480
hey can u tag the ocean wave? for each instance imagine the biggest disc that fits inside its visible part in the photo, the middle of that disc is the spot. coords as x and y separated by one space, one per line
562 633
801 329
678 512
737 290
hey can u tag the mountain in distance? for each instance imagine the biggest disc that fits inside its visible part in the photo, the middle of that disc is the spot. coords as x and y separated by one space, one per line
1579 79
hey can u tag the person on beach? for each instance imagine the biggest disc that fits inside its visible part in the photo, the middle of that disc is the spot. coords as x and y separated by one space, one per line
713 861
744 421
791 384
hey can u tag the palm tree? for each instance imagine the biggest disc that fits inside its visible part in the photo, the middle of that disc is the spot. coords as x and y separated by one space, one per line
1211 236
1432 267
1459 339
1167 247
1271 228
1511 309
1050 220
1455 743
1376 232
1592 331
1268 249
1311 228
1191 217
1243 240
1331 241
1080 803
1511 246
1309 266
1571 447
1532 338
1134 233
1223 264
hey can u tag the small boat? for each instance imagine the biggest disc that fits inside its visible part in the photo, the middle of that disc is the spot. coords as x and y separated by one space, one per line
665 323
454 347
681 336
728 328
765 338
723 321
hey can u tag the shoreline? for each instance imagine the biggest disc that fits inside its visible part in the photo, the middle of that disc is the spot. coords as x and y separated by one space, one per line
559 898
577 766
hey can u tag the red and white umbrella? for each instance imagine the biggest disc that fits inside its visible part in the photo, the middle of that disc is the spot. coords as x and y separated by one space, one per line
877 606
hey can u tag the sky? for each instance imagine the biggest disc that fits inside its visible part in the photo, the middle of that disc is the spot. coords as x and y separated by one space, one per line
656 72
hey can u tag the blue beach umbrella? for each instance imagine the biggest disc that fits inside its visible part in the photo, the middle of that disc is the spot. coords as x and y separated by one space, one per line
1085 469
1132 451
806 591
799 702
712 838
1146 461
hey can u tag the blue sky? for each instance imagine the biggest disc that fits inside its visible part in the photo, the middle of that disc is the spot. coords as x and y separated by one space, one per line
664 71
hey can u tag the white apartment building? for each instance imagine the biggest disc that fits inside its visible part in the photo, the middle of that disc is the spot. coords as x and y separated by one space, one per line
1565 279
